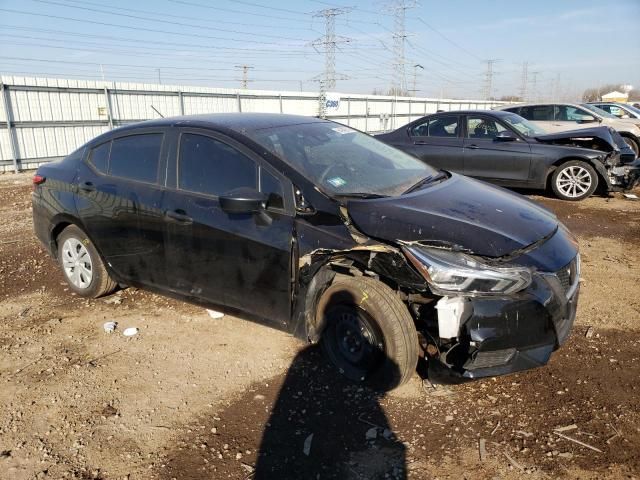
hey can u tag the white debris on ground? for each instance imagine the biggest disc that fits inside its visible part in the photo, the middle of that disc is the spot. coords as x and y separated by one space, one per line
215 314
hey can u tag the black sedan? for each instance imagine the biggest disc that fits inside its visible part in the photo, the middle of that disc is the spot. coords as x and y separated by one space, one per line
504 148
320 230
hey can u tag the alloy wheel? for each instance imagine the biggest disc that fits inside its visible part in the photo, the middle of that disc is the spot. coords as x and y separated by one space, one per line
574 181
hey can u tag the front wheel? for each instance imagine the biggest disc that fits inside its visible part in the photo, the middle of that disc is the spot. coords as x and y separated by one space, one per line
574 180
369 334
81 264
632 143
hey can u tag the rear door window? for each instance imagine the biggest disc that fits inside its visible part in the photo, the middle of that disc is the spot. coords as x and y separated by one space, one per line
209 166
540 113
136 157
445 126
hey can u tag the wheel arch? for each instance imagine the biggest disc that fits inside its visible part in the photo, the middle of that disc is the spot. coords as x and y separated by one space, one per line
601 171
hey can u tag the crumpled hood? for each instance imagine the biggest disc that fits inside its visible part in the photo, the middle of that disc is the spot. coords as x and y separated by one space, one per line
460 211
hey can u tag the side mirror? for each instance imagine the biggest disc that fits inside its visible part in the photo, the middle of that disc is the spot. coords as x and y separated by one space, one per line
625 116
584 118
243 200
505 136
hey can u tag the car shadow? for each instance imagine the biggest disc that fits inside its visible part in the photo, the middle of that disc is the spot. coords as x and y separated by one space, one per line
325 426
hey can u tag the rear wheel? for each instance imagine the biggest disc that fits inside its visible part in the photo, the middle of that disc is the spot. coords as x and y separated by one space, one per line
81 264
369 334
632 143
574 180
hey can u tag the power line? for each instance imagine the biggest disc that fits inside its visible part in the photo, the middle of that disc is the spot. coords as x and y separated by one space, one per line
138 28
452 42
168 22
173 15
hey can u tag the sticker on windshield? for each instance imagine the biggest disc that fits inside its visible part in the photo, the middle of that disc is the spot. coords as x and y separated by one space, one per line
343 130
336 182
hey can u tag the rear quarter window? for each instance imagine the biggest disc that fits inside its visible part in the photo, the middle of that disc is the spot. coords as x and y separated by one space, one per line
136 157
99 157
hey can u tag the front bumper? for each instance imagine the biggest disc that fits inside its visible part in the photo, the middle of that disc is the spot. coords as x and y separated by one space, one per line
625 177
507 334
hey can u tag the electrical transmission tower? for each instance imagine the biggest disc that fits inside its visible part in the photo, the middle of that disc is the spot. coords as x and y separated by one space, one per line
488 78
245 75
327 45
534 85
524 81
399 10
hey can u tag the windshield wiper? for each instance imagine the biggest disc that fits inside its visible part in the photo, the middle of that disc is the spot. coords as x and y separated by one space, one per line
361 195
424 181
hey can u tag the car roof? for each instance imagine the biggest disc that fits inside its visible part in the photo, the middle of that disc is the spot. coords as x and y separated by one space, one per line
234 121
518 105
499 113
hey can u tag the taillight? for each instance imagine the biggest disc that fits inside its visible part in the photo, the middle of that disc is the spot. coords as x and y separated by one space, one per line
38 180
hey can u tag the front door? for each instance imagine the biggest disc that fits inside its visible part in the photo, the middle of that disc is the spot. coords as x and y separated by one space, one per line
488 157
240 261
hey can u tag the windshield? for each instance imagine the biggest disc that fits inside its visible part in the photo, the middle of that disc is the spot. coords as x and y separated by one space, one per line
597 110
523 126
343 161
632 109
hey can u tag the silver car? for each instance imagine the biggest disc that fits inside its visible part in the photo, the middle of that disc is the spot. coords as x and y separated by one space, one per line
560 117
620 110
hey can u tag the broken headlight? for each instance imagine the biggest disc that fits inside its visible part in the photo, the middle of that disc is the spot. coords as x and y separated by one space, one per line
457 273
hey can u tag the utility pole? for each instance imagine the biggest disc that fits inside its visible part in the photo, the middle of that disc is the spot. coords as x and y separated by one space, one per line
488 78
415 78
327 45
245 75
524 81
399 10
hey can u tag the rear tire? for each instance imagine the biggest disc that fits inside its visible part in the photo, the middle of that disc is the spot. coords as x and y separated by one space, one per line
574 180
81 264
632 143
369 334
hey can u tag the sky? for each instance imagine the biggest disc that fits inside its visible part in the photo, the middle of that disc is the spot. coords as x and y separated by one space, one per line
568 45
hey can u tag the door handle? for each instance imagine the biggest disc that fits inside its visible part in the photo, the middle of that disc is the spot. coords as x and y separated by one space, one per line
88 187
178 216
473 147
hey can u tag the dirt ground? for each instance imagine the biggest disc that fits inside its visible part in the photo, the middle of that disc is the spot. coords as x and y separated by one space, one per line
191 397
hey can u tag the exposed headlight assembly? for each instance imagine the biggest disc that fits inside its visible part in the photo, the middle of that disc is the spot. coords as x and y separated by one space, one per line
457 273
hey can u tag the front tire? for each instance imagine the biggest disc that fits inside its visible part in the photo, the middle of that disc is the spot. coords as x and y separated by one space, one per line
632 144
574 180
81 264
369 334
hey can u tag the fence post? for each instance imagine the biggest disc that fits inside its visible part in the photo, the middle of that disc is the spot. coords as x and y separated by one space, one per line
239 102
107 99
280 100
9 117
349 111
366 114
181 101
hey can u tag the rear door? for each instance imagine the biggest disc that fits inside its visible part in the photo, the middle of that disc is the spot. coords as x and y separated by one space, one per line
489 158
437 141
119 193
541 115
240 261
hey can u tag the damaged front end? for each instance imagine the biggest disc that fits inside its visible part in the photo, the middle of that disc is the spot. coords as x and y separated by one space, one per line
491 291
512 320
619 167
